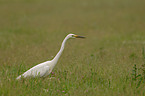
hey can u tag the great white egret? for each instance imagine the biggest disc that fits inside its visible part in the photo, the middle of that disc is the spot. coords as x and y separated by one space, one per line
45 68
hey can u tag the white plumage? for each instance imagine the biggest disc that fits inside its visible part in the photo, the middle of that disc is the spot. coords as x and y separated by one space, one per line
45 68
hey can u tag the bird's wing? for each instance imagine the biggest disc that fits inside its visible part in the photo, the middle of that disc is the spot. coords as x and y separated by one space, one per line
37 72
42 71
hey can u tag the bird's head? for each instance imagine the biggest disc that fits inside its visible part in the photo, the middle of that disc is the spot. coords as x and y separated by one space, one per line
75 36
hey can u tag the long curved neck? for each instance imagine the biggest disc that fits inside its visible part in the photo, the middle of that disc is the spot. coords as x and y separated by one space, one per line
55 59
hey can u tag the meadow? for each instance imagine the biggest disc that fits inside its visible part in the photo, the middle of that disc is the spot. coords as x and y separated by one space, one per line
109 62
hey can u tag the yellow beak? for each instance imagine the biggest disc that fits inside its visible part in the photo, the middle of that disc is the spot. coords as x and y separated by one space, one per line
77 36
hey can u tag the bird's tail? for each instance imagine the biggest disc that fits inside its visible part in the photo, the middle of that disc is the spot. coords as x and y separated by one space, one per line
19 77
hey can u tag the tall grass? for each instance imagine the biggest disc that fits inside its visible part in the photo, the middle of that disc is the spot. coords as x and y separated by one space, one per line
110 61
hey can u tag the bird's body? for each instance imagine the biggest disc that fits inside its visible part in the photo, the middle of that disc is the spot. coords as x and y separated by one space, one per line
40 70
45 68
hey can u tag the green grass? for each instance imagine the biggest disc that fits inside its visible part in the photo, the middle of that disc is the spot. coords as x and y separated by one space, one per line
109 62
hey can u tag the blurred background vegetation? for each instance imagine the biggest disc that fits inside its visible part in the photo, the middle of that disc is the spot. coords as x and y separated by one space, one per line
110 61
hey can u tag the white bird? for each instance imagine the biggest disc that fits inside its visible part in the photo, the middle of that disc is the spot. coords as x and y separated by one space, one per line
45 68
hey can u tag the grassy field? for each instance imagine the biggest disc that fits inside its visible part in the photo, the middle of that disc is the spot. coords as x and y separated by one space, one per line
109 62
